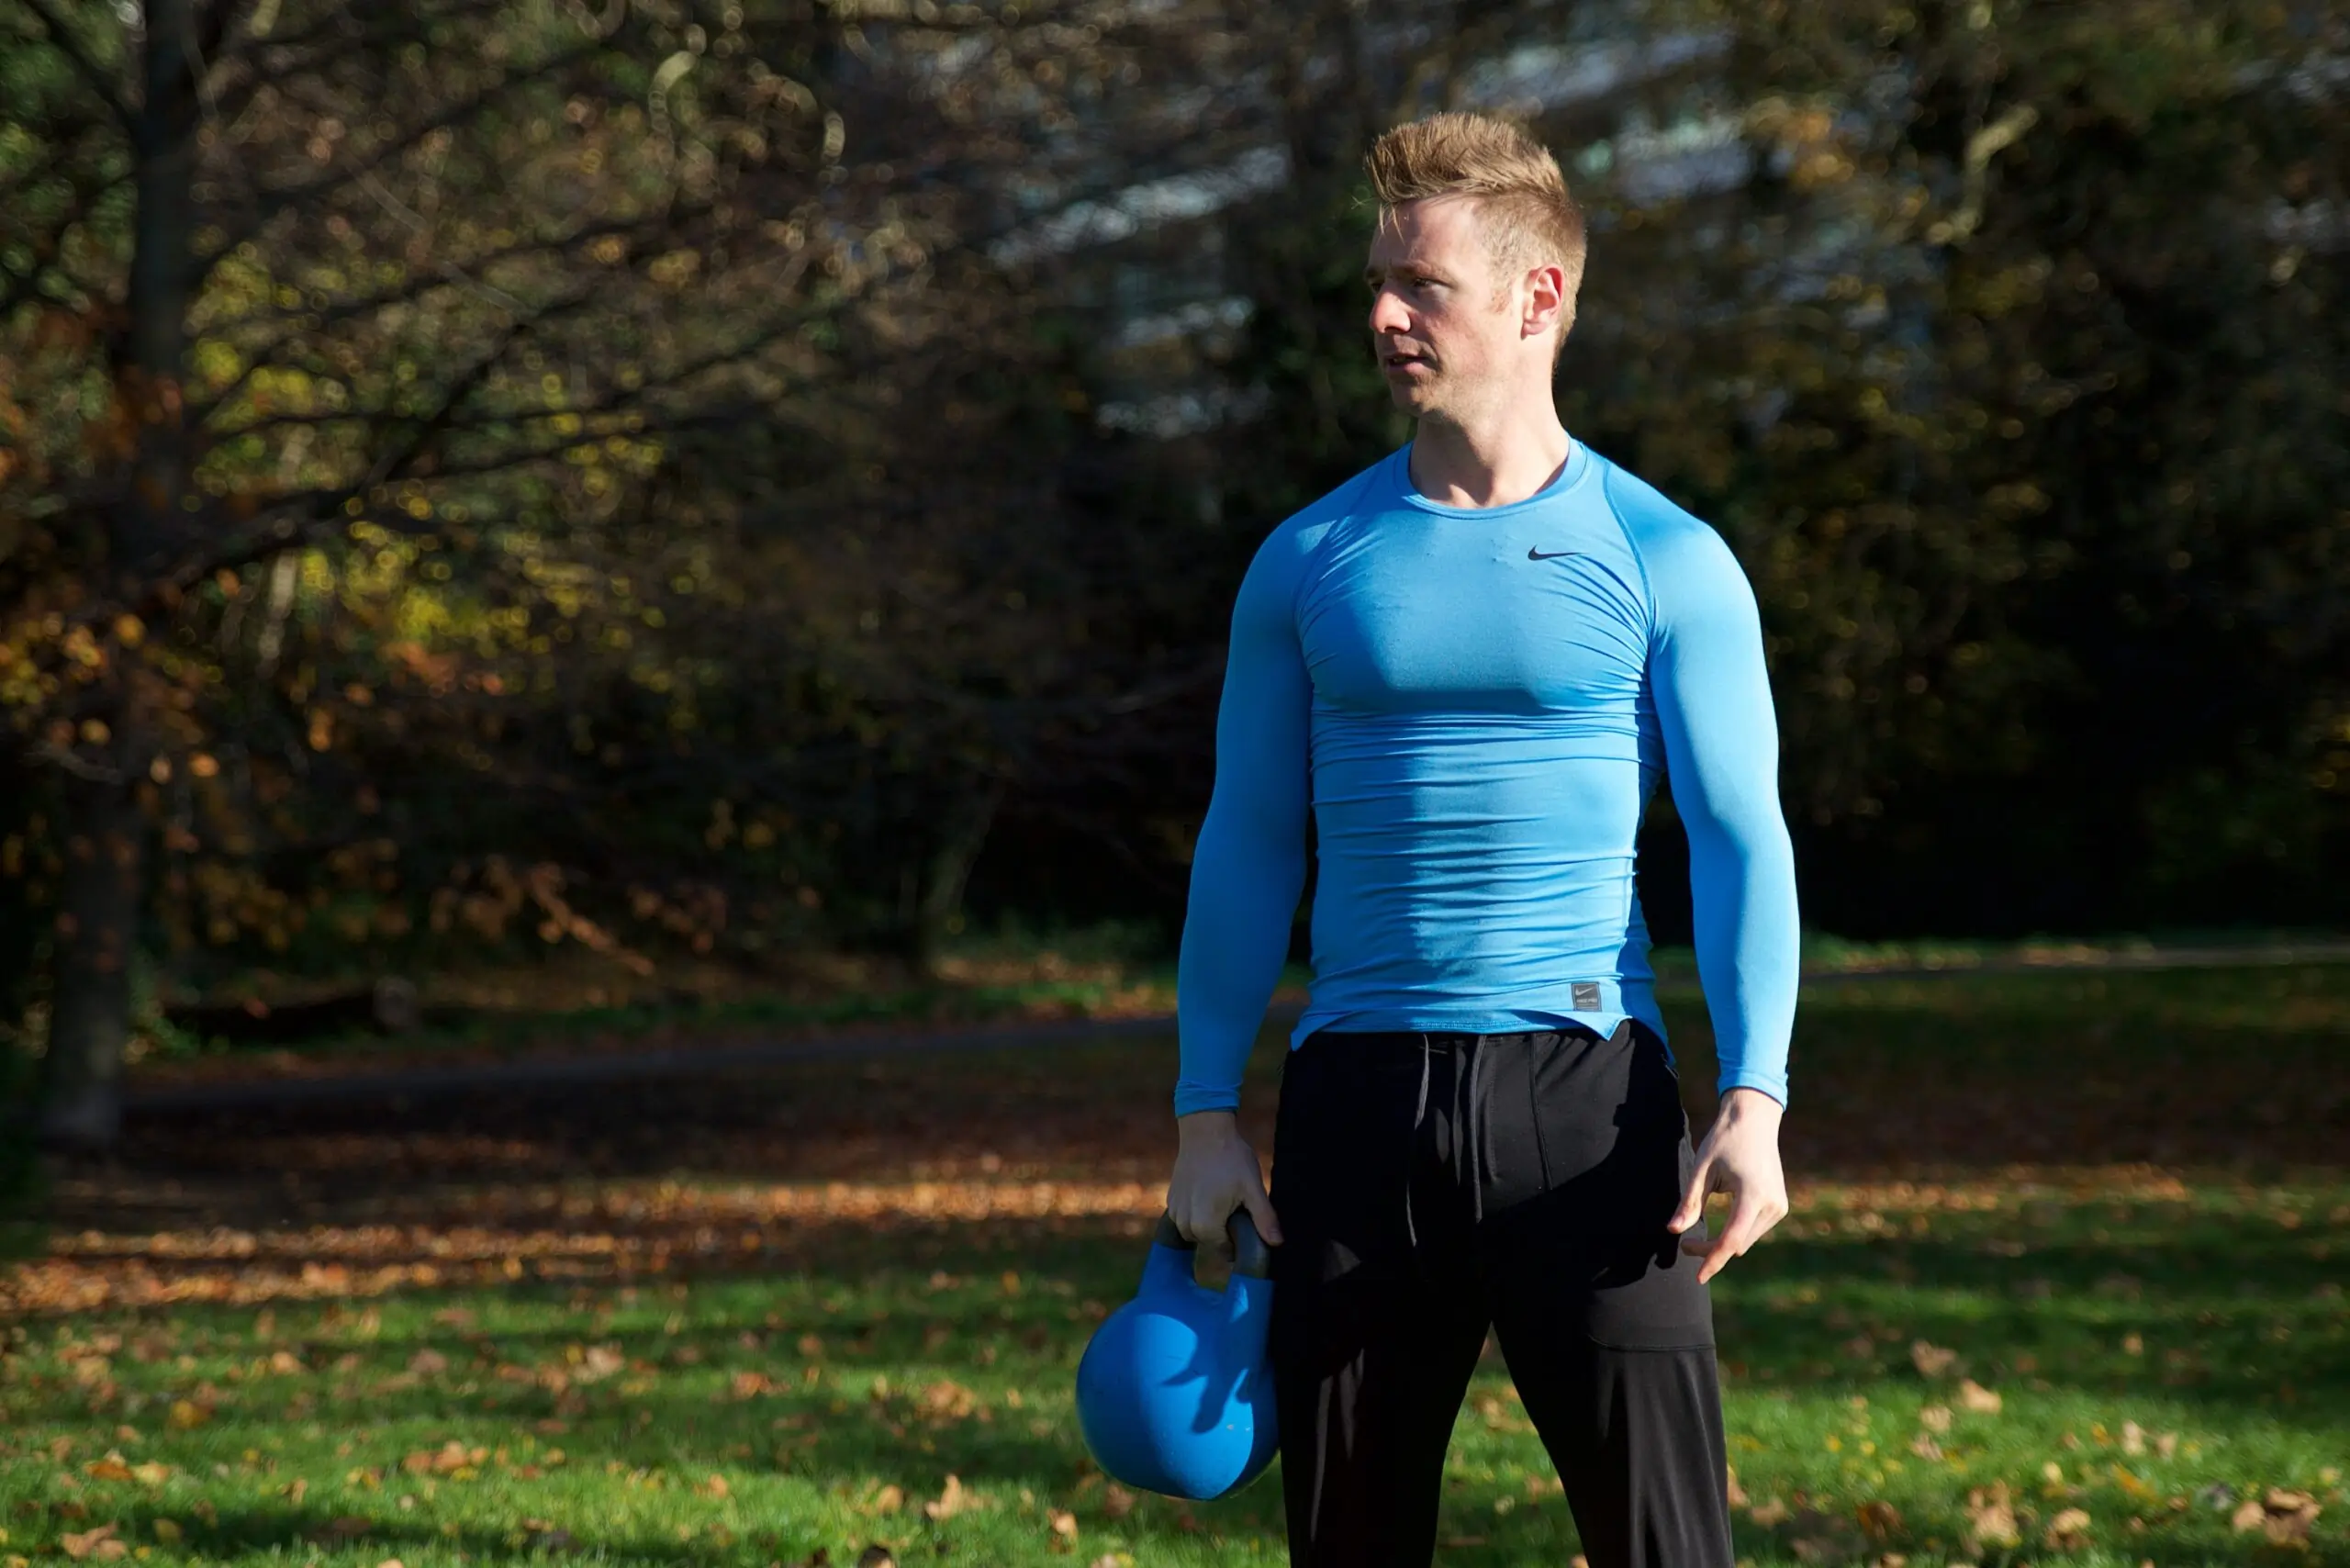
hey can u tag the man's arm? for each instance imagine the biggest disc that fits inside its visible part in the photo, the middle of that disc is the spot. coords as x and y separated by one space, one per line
1246 872
1713 698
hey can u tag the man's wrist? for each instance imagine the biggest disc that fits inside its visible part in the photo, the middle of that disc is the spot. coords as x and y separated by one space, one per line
1744 1105
1207 1126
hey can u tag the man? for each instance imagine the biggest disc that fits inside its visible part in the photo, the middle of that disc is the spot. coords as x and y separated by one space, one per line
1471 662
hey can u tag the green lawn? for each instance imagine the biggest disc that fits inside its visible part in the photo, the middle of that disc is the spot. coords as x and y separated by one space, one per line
2064 1284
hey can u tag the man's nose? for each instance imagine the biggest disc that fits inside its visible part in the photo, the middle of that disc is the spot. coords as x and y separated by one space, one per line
1387 313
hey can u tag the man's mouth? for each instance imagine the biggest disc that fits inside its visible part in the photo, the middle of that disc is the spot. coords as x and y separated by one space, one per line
1397 360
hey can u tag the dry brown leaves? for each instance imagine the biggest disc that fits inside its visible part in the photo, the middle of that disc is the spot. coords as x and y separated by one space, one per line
2068 1531
1991 1517
452 1459
625 1231
1931 1361
99 1545
955 1499
2284 1517
1973 1396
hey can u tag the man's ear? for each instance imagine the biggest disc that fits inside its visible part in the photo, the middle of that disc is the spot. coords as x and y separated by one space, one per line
1547 306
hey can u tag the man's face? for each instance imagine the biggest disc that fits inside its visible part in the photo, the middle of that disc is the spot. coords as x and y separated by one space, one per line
1443 324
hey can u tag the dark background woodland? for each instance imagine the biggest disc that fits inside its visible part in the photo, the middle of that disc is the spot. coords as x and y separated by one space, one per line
740 477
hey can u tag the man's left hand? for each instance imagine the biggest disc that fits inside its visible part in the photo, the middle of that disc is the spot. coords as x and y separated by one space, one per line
1741 1156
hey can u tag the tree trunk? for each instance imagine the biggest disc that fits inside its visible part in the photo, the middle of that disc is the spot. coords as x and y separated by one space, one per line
104 881
98 927
963 835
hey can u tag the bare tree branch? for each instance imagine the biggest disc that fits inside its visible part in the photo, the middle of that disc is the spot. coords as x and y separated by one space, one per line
269 203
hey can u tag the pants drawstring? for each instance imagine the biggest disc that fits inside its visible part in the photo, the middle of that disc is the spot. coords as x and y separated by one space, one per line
1412 1140
1472 1125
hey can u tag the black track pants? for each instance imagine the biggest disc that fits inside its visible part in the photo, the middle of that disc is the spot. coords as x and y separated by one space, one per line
1431 1186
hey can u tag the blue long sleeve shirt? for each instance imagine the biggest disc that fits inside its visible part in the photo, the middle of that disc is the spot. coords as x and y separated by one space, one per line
1475 705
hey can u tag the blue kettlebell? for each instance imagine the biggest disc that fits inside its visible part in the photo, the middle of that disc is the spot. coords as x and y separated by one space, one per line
1174 1391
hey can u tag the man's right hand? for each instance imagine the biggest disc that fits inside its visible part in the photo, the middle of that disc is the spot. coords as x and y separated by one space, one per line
1216 1173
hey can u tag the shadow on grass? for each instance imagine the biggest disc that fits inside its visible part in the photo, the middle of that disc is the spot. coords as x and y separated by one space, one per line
740 1274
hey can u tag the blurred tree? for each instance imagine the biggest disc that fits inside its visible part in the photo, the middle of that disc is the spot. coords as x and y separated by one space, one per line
317 312
688 473
516 466
2020 391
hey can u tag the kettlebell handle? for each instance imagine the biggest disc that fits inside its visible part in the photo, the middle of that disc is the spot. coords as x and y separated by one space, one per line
1250 1256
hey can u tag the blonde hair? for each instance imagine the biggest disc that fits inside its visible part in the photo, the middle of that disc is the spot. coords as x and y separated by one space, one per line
1522 207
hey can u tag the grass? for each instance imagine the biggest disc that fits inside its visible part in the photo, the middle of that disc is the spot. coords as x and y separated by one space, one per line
577 1004
748 1320
573 1001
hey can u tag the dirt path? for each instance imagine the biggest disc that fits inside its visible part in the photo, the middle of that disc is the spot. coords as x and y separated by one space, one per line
316 1082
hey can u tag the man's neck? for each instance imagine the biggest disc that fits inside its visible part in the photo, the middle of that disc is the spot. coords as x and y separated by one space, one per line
1490 462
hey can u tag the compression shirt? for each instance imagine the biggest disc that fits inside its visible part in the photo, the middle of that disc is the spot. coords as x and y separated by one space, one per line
1476 704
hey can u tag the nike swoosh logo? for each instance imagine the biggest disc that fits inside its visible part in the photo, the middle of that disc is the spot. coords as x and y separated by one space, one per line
1534 555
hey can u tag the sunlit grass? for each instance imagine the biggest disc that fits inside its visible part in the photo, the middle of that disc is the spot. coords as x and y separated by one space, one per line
748 1321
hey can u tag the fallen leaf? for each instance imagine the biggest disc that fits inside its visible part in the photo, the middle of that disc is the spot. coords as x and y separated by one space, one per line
1935 1417
1878 1519
2133 1438
2249 1516
1925 1448
97 1545
2068 1531
1769 1512
1931 1360
1064 1523
168 1532
888 1500
875 1557
186 1413
1991 1517
948 1400
1977 1398
342 1530
110 1468
715 1486
953 1500
428 1364
598 1362
1117 1502
2290 1518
